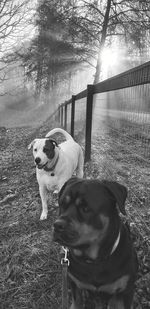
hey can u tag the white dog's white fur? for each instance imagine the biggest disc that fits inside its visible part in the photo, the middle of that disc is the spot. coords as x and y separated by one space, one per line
53 172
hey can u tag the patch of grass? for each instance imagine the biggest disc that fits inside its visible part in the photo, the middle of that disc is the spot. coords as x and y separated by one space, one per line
30 274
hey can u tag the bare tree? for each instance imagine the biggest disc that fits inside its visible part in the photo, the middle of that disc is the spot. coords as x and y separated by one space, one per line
80 30
14 19
121 18
96 23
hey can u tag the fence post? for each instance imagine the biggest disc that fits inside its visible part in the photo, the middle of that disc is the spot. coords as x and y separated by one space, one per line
72 115
88 132
65 124
62 115
59 113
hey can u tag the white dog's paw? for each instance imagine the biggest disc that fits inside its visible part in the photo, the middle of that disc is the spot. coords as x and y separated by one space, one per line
43 215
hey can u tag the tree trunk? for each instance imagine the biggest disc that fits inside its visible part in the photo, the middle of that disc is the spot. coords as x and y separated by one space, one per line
102 42
38 79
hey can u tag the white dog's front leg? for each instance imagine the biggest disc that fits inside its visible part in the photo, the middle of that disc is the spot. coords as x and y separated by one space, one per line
44 199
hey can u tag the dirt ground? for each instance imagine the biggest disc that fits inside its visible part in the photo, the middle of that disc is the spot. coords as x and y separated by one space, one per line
30 275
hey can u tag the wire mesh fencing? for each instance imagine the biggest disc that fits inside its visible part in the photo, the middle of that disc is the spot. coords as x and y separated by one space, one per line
119 141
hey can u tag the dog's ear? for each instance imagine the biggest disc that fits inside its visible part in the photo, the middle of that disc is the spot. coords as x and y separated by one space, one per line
68 183
119 192
53 142
32 143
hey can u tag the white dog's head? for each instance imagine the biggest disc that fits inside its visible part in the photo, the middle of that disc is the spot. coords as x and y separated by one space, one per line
43 151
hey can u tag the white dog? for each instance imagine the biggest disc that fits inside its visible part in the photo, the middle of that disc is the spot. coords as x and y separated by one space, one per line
55 164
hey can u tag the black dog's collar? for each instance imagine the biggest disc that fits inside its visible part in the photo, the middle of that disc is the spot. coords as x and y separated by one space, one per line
115 244
51 169
81 267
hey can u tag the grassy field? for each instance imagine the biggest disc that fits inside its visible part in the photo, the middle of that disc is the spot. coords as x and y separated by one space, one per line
30 274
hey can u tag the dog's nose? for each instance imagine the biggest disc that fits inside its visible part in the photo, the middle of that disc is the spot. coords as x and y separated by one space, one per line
37 160
59 225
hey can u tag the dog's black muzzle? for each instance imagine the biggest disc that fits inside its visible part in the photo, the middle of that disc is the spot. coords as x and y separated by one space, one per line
63 232
60 225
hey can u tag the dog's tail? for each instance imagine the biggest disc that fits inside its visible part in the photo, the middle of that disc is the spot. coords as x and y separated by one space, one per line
59 130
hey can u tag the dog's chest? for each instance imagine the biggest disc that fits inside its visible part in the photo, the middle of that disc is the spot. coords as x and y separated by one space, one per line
49 180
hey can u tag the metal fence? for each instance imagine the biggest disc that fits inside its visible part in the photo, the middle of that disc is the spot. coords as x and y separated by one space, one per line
123 97
114 119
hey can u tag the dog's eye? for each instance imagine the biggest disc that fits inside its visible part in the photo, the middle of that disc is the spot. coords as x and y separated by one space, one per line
35 149
85 208
81 205
46 149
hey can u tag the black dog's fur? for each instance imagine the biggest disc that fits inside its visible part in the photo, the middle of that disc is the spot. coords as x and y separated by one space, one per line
102 259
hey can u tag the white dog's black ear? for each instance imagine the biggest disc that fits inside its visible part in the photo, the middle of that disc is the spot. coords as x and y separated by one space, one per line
32 143
119 192
53 142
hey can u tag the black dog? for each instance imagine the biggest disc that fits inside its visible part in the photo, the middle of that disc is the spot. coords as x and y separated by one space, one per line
103 263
